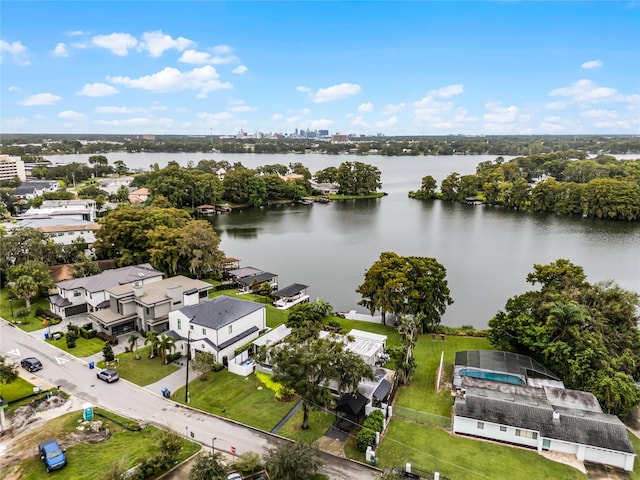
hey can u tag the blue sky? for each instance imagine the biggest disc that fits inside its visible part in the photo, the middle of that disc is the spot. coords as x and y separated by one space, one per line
396 68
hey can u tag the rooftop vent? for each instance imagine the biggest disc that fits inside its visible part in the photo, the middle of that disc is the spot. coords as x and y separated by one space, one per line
556 415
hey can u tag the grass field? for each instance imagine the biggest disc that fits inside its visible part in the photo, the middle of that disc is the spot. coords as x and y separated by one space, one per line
87 460
141 372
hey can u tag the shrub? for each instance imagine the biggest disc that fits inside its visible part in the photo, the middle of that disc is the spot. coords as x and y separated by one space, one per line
173 357
375 421
84 333
39 311
366 438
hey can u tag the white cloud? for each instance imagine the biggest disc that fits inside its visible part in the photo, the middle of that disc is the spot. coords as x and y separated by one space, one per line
556 106
195 57
359 122
336 92
60 50
303 89
448 91
305 111
243 108
16 50
498 114
591 64
118 110
137 122
157 42
118 43
599 114
76 33
215 119
393 108
585 91
365 107
222 50
97 90
171 80
319 123
293 119
390 122
240 70
276 116
14 89
41 99
71 115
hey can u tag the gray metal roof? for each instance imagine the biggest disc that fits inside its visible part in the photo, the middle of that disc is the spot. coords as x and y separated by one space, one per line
257 278
503 362
111 278
290 290
220 311
529 408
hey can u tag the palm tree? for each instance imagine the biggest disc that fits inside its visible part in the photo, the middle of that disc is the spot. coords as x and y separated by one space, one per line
165 343
152 339
133 344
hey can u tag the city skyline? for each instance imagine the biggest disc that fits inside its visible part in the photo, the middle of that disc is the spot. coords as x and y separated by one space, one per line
396 68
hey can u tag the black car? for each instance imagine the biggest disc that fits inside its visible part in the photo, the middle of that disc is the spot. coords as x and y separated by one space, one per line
31 364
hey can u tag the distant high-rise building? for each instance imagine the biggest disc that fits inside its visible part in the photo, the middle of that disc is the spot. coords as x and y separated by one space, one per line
12 166
323 133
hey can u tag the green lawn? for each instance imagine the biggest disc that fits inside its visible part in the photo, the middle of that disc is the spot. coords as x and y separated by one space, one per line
15 390
421 394
86 460
84 346
31 322
635 441
244 399
319 423
141 372
457 457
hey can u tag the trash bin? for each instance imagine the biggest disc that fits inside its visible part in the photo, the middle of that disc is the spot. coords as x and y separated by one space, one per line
91 365
166 393
46 336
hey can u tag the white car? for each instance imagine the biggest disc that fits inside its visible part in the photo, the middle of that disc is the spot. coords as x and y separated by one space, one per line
108 375
234 476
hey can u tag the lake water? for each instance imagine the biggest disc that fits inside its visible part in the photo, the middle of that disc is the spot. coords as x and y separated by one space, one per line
487 251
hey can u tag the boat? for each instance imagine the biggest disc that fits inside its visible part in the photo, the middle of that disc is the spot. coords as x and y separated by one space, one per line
305 201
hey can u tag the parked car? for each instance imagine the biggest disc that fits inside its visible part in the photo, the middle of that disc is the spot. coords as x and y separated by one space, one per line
31 364
108 375
52 455
234 476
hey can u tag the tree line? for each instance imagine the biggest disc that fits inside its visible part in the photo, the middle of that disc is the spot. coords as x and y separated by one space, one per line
566 183
31 147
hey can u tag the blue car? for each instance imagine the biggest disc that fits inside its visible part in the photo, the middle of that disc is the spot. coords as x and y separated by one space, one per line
52 455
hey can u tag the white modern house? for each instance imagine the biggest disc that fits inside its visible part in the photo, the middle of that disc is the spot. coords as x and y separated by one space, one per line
89 294
146 307
538 413
218 326
290 295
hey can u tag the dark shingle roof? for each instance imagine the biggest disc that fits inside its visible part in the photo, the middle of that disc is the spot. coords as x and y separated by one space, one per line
257 278
220 311
289 290
528 408
111 278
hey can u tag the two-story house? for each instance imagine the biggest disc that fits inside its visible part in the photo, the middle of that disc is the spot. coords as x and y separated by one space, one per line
88 294
146 308
218 326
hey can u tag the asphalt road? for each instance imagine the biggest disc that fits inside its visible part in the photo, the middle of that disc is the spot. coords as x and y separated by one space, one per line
74 377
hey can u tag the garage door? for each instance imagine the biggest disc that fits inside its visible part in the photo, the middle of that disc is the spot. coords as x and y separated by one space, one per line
607 457
75 310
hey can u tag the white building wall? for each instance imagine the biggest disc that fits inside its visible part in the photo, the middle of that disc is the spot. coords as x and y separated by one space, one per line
609 457
470 426
565 447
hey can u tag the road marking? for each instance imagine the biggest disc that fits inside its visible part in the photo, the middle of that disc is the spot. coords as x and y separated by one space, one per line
61 360
15 352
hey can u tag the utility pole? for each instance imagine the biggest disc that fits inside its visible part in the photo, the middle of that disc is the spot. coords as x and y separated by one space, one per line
186 384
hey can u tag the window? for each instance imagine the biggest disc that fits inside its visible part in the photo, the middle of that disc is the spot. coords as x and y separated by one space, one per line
503 428
147 309
204 331
191 327
77 293
526 434
480 426
179 324
230 329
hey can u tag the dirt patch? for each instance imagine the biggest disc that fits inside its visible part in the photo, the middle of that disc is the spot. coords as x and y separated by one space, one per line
331 446
25 420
